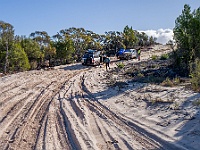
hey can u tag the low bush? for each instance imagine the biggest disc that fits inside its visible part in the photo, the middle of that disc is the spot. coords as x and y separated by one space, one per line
154 57
171 82
164 56
195 75
120 65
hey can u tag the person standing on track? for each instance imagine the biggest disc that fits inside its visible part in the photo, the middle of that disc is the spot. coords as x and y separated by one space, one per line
107 62
139 53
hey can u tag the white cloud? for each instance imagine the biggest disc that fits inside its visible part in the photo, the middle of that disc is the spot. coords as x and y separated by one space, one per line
162 35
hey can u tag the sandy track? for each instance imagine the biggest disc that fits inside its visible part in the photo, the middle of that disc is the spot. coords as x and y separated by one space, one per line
63 109
29 113
56 110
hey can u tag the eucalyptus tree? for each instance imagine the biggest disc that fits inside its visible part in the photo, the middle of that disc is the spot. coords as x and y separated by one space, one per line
64 49
113 40
41 37
92 40
152 40
77 36
50 52
82 39
143 39
32 49
70 36
6 38
44 40
129 38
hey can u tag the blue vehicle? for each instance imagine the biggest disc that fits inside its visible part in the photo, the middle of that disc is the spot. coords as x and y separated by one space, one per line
128 54
120 52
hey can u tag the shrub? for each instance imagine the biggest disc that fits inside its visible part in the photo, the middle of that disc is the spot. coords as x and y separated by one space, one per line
167 82
153 79
171 82
120 65
154 57
164 56
140 75
195 75
176 81
18 59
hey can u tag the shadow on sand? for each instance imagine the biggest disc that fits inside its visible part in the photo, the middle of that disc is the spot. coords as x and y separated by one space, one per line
189 114
189 131
76 66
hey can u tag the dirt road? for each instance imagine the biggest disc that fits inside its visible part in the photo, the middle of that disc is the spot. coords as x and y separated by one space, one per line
61 109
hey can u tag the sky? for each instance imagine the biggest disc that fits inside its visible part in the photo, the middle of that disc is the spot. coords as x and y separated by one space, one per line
154 17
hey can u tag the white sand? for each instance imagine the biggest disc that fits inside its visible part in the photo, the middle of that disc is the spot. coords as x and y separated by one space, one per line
72 107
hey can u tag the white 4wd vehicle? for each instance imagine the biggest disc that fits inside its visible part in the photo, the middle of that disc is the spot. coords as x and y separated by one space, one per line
128 54
91 57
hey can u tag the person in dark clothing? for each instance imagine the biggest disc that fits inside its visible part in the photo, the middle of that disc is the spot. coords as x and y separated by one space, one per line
107 61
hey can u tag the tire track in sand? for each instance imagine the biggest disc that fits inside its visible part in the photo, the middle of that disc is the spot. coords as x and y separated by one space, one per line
142 138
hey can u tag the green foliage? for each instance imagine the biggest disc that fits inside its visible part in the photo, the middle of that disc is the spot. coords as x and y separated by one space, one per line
49 52
112 41
164 56
140 75
41 37
167 82
2 59
154 57
176 80
65 50
82 40
187 36
18 59
152 40
120 65
171 82
195 75
148 79
6 32
32 49
6 37
66 46
69 50
129 37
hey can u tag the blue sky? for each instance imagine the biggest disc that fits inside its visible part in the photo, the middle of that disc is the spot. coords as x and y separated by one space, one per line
96 15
